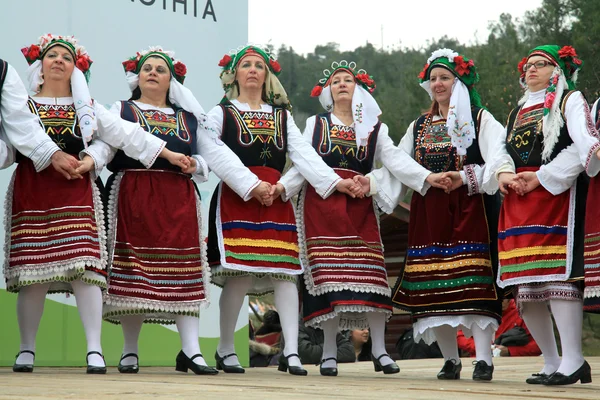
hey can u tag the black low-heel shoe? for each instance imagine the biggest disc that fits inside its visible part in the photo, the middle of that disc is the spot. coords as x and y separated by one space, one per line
482 371
392 368
450 370
583 374
328 371
284 365
23 367
537 379
230 369
92 369
129 369
183 363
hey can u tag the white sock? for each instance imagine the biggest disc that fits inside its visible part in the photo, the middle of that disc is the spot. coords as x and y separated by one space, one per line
286 301
377 326
131 325
30 307
568 316
89 305
483 339
446 340
539 322
330 330
189 329
230 303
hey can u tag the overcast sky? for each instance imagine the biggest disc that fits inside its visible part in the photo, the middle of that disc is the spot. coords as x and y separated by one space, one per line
350 23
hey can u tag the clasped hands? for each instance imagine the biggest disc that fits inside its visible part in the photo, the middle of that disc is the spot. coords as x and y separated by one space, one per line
266 192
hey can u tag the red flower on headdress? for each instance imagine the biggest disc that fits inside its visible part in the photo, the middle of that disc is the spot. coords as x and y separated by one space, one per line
521 65
180 69
275 66
549 100
567 51
225 60
423 73
130 65
366 79
83 64
577 61
317 90
33 52
462 67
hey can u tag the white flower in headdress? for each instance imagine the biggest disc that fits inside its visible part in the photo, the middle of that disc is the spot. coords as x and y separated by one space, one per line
448 53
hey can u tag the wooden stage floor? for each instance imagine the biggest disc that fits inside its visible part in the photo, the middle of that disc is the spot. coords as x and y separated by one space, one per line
415 381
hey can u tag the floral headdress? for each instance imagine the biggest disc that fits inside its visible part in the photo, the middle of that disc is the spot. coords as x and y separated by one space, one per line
38 50
178 94
274 91
460 120
177 68
360 76
564 77
365 110
79 78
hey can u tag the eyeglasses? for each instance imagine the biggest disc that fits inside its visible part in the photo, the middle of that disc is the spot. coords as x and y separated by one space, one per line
538 65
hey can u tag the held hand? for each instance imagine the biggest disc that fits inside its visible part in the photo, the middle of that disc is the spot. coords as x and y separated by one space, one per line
508 180
177 159
85 165
192 168
65 164
528 181
365 184
262 193
276 190
455 180
349 187
438 180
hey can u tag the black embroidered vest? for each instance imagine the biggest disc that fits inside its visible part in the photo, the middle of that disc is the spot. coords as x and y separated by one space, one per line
336 144
178 129
258 138
525 137
433 147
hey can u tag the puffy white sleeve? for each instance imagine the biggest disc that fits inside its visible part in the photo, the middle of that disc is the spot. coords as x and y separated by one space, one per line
400 170
561 173
308 162
491 140
293 180
7 152
21 127
583 132
498 160
127 136
220 158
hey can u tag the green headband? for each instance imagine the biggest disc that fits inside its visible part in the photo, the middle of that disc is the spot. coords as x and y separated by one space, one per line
565 57
60 42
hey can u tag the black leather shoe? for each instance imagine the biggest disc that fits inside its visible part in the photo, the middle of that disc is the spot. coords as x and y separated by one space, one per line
450 370
284 365
92 369
129 369
583 374
183 363
482 371
392 368
230 369
537 379
328 371
23 367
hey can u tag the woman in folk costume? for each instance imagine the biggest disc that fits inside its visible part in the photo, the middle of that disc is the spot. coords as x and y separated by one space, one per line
448 280
549 138
345 278
157 253
591 293
254 248
55 239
